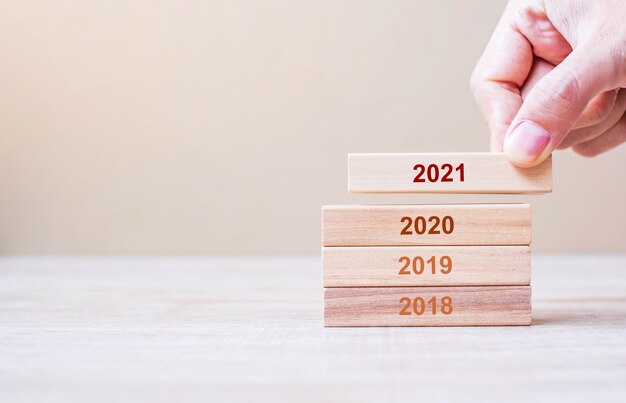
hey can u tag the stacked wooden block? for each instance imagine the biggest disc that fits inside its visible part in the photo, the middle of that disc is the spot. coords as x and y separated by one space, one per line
430 265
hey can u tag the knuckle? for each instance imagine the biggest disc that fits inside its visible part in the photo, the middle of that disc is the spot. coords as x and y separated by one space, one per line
563 145
597 113
608 45
560 95
584 150
600 110
475 81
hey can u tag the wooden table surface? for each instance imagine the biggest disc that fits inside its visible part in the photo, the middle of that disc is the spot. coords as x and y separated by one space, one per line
216 330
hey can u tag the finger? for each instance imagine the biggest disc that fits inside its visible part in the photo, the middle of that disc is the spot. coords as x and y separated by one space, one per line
609 140
598 109
588 133
548 43
498 77
537 72
505 66
553 105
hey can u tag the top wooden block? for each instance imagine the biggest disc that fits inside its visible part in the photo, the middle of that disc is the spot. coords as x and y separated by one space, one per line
445 173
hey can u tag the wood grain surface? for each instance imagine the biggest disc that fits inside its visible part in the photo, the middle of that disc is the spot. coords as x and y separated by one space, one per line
196 329
474 224
375 266
482 173
396 306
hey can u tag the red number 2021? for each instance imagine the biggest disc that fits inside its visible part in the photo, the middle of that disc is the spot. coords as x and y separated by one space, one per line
434 173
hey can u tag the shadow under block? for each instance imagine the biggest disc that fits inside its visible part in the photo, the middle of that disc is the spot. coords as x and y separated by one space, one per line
425 266
445 173
436 224
427 306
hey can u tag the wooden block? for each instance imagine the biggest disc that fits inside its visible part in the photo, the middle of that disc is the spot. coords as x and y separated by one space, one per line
427 306
452 224
445 173
425 266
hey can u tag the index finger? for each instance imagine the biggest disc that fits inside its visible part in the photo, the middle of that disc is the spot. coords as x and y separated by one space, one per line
499 75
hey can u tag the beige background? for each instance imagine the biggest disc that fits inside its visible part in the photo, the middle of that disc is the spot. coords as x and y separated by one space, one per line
223 126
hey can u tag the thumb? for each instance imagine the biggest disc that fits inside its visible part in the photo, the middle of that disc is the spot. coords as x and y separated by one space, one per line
552 107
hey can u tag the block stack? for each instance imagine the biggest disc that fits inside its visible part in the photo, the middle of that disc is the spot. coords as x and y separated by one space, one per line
430 265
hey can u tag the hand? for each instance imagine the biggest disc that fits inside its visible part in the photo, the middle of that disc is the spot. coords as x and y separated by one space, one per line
552 76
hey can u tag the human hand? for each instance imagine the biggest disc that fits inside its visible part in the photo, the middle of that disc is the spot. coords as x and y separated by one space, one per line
553 76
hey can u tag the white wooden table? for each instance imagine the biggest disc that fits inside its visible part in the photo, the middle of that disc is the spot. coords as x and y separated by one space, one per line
215 330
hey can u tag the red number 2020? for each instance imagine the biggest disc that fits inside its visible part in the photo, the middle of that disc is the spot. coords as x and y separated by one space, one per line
431 225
